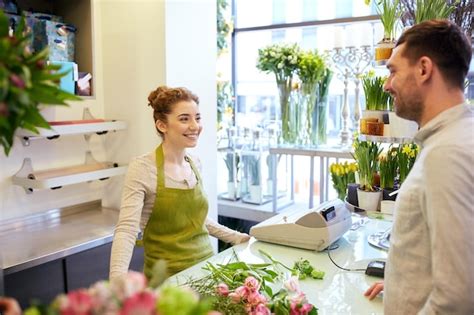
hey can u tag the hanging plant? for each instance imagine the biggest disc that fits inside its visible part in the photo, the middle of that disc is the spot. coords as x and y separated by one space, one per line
27 82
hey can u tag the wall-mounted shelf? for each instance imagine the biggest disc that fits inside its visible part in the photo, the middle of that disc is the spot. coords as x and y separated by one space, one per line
73 127
58 177
382 139
86 126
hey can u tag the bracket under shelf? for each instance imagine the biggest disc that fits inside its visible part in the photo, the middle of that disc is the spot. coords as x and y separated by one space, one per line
58 177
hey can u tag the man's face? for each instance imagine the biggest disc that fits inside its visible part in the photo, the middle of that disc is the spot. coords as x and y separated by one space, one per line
403 86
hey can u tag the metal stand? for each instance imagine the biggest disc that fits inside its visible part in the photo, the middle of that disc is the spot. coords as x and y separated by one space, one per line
350 63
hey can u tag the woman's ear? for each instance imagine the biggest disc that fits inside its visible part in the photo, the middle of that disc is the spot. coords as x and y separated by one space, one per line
161 126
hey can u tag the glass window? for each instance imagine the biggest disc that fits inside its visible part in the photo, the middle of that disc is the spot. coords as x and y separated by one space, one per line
252 13
257 95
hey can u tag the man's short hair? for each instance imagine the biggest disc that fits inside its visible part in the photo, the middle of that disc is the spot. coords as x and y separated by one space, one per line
444 43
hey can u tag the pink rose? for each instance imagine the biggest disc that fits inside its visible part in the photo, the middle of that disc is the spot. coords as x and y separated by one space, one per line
239 294
261 309
255 298
142 303
76 303
222 289
252 284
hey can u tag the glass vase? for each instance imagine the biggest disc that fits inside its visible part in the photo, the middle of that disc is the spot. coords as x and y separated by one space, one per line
307 102
287 134
319 117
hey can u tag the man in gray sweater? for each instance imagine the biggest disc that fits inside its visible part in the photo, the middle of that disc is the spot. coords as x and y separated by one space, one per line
430 266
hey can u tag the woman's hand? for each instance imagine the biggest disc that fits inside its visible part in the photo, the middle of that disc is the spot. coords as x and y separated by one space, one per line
244 237
9 306
374 289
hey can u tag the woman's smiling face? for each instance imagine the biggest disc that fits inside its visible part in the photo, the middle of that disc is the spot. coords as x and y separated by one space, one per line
183 125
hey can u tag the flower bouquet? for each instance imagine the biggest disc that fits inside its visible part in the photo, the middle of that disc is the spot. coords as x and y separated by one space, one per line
126 295
310 71
239 288
342 174
282 60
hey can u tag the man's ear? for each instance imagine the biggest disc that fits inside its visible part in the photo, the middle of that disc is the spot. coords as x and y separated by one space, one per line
161 126
425 68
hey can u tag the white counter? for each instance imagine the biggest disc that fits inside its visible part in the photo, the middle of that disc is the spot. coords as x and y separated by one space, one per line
341 292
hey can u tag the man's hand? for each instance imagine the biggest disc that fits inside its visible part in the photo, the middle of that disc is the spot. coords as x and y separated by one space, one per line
374 289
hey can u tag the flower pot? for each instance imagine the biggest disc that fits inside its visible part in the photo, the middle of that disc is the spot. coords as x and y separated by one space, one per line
383 51
232 190
369 200
401 128
352 194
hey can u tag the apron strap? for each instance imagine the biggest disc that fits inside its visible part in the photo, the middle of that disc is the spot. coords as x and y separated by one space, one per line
160 171
194 168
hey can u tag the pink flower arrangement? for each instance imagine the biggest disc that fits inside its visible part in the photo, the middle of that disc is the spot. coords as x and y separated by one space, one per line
126 296
292 300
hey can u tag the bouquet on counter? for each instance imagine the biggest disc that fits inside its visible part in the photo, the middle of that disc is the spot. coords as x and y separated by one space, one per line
127 295
235 288
240 288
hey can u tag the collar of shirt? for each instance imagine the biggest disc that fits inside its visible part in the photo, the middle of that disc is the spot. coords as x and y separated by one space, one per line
441 120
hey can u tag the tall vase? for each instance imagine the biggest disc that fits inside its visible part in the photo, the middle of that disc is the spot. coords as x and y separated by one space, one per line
321 121
308 95
284 90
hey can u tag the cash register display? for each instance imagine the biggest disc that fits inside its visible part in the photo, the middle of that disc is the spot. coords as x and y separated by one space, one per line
329 213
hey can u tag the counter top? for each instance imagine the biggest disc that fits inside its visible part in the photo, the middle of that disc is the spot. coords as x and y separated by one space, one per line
340 292
54 234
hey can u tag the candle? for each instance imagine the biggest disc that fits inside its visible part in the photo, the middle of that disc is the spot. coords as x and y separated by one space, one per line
339 37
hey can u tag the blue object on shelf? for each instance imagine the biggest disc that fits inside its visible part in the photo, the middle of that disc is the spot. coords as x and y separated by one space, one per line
67 82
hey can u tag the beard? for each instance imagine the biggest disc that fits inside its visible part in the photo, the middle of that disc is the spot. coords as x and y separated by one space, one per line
409 102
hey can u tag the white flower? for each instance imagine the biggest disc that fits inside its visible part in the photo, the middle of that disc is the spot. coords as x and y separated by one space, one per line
280 65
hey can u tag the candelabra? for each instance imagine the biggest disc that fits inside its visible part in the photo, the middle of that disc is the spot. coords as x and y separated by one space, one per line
350 63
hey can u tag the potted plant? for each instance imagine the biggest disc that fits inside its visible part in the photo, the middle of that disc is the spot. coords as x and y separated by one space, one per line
342 174
376 104
417 11
388 167
27 84
366 155
390 13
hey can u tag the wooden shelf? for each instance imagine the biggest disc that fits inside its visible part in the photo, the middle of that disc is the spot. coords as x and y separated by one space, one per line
58 177
382 139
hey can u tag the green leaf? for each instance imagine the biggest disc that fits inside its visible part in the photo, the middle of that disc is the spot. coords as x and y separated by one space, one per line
3 25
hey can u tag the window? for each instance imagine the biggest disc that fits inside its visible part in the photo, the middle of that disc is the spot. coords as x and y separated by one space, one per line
310 23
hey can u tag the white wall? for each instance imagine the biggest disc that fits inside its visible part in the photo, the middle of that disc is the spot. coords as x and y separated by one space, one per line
191 62
139 45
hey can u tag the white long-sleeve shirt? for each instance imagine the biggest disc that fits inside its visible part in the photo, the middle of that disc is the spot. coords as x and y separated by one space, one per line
430 267
138 197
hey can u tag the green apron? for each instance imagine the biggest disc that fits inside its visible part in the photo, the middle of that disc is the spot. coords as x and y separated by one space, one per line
176 229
